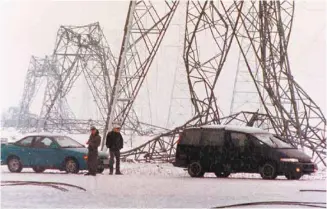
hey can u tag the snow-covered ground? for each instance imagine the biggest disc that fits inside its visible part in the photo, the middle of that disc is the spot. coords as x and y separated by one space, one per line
154 186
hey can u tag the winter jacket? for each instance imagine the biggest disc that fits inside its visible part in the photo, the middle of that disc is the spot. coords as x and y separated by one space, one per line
94 142
114 141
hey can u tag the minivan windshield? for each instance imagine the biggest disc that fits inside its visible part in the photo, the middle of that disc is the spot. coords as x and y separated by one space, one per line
67 142
272 141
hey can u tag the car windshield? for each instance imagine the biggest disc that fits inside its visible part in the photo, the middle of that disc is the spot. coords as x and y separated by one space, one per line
272 141
67 142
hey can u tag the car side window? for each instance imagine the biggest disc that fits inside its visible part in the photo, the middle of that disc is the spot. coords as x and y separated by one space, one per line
26 142
44 142
239 140
212 137
191 137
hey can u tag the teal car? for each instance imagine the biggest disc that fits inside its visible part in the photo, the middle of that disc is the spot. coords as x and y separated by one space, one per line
41 152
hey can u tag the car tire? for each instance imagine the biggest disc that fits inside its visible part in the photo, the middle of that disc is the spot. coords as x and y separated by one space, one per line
38 169
293 176
14 165
71 166
221 171
195 170
222 174
268 171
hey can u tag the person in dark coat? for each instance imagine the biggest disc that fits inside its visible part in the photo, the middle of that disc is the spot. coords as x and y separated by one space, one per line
115 143
92 157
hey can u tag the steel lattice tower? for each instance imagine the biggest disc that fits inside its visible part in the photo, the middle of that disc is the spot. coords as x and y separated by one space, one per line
260 29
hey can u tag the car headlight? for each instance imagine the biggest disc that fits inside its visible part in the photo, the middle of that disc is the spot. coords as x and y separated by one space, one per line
293 160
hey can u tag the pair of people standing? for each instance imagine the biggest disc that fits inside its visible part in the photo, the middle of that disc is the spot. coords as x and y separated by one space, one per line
114 142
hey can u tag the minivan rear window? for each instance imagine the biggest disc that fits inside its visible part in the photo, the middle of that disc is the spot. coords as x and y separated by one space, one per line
191 137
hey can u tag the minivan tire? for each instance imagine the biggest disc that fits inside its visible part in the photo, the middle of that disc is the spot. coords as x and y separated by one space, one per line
195 170
222 174
268 171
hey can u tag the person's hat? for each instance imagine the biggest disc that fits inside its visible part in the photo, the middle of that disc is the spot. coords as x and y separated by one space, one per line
92 128
116 126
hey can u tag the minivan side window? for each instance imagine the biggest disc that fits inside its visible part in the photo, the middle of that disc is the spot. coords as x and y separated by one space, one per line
213 137
239 139
191 137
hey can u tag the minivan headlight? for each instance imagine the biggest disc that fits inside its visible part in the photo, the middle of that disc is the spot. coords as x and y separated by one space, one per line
293 160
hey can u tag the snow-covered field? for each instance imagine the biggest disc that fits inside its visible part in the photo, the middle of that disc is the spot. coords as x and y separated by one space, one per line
153 186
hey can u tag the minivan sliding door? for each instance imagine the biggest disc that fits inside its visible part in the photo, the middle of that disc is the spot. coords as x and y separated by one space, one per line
244 154
211 143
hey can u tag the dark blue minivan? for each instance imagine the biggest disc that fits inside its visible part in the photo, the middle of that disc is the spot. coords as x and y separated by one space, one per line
224 149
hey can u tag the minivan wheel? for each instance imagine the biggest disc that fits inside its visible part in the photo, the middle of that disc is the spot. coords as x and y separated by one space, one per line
195 170
268 171
222 174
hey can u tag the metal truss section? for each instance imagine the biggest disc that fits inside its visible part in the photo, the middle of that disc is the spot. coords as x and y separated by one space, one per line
78 50
37 71
162 148
205 27
265 33
144 30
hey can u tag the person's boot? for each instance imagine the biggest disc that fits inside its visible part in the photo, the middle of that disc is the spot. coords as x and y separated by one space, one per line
118 173
111 171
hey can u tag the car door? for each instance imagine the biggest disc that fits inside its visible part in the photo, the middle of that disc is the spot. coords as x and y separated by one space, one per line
245 155
236 150
23 149
211 148
44 153
258 152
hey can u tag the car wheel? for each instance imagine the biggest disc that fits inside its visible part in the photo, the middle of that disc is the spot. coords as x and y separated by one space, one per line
293 176
71 166
14 165
222 171
222 174
38 169
268 171
195 170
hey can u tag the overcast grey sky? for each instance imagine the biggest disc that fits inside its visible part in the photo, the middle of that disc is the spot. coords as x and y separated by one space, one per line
29 28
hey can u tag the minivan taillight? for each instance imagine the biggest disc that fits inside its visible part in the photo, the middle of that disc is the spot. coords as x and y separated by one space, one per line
179 138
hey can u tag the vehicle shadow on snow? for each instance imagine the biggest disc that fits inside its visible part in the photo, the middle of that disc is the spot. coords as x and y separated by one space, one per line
45 173
242 178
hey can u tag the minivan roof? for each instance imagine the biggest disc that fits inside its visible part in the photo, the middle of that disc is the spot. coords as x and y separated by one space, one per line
243 129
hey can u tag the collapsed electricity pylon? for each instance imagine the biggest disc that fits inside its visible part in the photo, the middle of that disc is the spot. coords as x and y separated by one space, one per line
261 29
78 50
84 50
38 71
144 30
